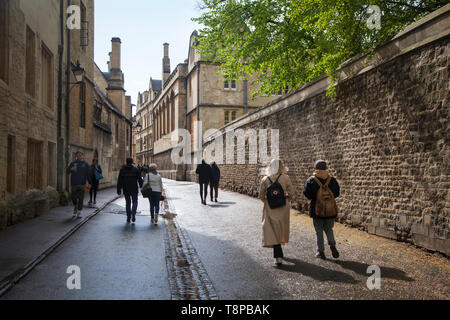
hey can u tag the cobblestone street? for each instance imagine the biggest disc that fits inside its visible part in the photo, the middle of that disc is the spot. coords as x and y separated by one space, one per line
214 252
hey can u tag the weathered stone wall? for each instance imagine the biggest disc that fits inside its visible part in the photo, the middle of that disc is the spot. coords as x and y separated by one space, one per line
385 136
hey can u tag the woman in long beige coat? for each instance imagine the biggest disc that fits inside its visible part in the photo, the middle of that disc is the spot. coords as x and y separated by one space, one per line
275 222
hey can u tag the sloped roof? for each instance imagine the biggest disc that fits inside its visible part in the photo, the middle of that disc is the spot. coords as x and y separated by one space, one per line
156 85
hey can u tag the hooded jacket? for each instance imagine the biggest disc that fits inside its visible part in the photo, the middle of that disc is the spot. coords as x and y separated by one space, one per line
204 172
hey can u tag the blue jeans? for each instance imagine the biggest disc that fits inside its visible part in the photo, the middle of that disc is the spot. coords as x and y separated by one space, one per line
322 225
155 198
128 199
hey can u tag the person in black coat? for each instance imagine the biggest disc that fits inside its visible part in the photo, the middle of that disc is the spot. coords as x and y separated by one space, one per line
204 177
128 181
214 182
322 224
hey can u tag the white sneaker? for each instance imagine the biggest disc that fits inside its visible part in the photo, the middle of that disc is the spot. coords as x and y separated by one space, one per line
79 215
75 211
153 221
278 261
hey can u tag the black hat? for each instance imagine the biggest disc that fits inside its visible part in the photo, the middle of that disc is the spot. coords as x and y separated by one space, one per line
320 165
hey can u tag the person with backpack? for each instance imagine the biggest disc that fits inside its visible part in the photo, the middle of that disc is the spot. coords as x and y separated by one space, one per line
322 189
275 190
153 182
214 183
128 181
204 177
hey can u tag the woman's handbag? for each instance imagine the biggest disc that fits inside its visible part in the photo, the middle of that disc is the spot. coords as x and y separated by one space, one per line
98 175
163 198
146 189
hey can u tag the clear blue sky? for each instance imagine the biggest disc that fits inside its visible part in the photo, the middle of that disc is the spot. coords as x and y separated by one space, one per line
143 26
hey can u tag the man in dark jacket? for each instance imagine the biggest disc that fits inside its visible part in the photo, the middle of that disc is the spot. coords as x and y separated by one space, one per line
79 171
322 224
214 183
204 176
129 178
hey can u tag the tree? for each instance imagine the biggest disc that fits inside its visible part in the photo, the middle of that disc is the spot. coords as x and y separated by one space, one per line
286 43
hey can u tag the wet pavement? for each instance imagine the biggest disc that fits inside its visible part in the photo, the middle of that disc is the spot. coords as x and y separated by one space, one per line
214 252
227 238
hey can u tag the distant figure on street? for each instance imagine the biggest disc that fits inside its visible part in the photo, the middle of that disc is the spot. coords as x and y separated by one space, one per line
96 176
214 182
275 191
154 179
129 179
322 189
204 177
79 171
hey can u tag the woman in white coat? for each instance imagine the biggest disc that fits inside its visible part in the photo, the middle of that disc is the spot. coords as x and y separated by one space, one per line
275 222
155 181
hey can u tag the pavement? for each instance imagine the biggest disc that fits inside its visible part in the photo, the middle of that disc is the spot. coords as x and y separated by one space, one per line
25 245
204 252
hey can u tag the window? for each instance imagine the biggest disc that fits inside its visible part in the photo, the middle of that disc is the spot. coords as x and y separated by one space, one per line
11 164
83 105
47 77
233 84
230 85
51 165
84 34
227 117
4 32
30 82
34 164
230 115
233 115
226 85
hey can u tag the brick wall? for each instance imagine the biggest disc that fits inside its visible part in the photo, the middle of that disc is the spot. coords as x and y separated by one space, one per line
385 136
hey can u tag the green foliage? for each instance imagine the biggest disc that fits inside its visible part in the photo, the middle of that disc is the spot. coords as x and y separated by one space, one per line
287 43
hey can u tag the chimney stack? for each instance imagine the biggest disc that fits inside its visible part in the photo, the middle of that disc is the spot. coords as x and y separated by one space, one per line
115 53
116 91
166 63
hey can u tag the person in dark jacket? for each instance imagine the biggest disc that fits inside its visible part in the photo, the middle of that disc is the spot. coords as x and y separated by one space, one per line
322 224
204 176
79 171
95 167
128 181
214 182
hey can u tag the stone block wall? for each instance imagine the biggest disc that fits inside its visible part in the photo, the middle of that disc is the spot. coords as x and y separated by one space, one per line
385 136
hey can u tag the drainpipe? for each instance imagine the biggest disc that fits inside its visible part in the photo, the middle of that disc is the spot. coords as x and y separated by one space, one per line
60 140
68 67
245 97
198 108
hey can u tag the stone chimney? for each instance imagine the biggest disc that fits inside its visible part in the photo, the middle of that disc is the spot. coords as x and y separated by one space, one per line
116 91
166 64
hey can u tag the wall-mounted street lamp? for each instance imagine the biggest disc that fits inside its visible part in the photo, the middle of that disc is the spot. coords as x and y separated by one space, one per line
79 73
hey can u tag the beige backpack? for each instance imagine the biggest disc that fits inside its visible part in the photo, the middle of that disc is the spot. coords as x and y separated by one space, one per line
325 203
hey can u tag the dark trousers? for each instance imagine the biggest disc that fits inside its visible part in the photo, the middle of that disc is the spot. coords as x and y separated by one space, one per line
203 189
155 198
77 196
128 198
277 251
93 191
214 186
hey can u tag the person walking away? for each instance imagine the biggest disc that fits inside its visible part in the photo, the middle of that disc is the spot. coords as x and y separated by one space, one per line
204 177
155 181
214 183
322 189
96 176
79 171
275 191
128 181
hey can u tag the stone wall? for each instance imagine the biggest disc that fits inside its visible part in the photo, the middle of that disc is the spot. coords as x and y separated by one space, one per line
385 135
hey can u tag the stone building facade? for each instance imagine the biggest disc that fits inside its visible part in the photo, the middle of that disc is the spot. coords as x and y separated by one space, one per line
45 116
192 92
385 136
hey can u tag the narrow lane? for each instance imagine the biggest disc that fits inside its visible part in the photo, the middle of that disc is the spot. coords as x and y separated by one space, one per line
227 238
117 261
